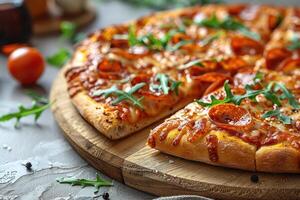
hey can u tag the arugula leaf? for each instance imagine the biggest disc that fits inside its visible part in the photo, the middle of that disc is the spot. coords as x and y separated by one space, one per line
35 110
97 183
68 31
37 98
228 24
276 113
237 99
211 38
295 44
178 45
59 58
122 95
196 62
152 42
164 81
287 95
259 76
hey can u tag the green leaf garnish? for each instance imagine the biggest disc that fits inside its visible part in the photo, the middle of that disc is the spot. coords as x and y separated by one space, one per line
276 113
237 99
36 110
37 97
122 95
196 62
68 31
295 44
152 42
259 76
211 38
178 45
164 81
97 183
287 95
228 24
59 58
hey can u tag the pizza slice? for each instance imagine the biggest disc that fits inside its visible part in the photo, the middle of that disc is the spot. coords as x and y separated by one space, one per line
125 77
252 124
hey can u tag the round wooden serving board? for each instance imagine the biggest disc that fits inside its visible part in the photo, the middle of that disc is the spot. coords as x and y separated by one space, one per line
130 161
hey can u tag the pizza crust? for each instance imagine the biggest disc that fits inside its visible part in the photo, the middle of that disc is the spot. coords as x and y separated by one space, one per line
232 152
278 158
108 123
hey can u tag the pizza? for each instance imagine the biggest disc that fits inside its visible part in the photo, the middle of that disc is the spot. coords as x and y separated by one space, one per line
125 77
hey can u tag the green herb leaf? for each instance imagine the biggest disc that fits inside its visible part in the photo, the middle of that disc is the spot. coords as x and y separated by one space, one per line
287 95
97 183
68 31
211 38
228 24
237 99
276 113
35 110
259 76
122 95
196 62
37 98
178 45
151 42
59 58
295 44
164 81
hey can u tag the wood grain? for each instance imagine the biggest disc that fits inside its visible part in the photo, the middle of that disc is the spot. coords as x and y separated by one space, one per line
130 161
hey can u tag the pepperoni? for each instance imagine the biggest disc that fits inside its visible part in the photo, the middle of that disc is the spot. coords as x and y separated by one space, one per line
212 77
179 37
289 65
107 65
273 21
222 116
246 46
236 9
129 55
234 64
212 147
275 56
206 67
151 141
141 78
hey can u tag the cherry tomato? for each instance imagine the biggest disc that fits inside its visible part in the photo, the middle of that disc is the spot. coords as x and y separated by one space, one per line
26 65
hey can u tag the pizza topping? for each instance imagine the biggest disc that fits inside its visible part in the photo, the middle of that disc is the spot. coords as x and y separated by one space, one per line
295 44
246 46
122 95
232 117
274 21
164 82
228 24
212 147
275 56
289 65
276 113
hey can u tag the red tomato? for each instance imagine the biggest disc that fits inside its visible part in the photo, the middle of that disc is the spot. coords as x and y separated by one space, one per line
26 65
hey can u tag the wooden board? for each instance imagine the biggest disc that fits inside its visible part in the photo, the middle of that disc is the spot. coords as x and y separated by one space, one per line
130 161
48 24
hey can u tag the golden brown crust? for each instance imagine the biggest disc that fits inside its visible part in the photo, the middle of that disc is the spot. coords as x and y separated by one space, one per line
108 123
232 152
278 158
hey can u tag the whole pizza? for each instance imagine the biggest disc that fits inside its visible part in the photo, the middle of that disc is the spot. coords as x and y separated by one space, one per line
231 71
